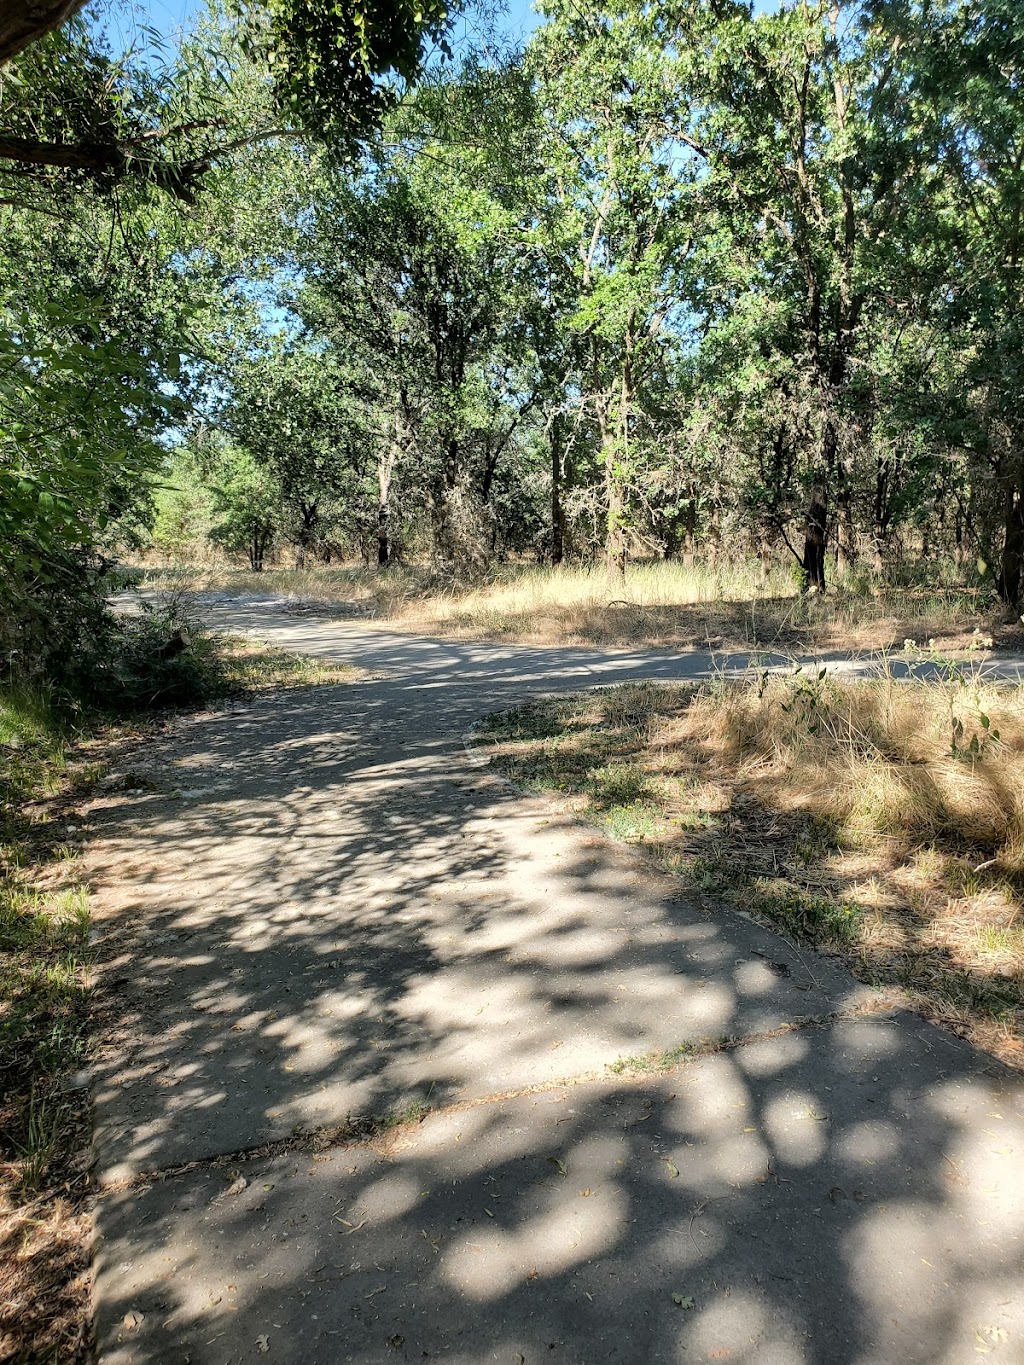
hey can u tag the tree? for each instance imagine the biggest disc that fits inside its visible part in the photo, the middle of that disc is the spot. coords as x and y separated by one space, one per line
808 127
293 412
246 501
619 224
418 265
973 65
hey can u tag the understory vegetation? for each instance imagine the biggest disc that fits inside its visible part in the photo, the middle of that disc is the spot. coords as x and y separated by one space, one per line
879 819
732 606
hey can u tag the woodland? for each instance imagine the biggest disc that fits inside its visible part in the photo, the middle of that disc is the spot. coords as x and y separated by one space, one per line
619 297
701 281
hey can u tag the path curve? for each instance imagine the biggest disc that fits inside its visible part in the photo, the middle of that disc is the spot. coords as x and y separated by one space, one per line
315 911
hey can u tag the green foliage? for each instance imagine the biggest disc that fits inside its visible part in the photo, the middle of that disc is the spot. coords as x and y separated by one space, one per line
340 67
813 918
245 502
182 507
156 660
618 784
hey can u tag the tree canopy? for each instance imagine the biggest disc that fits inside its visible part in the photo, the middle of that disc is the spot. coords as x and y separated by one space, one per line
691 280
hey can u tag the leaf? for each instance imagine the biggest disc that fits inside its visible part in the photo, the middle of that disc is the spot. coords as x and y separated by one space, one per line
563 1169
263 1343
684 1301
673 1169
233 1190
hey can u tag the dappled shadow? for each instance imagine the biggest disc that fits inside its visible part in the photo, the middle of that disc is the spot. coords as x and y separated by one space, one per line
316 908
837 1196
327 912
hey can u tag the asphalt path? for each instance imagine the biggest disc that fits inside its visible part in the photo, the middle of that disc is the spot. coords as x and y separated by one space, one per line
320 918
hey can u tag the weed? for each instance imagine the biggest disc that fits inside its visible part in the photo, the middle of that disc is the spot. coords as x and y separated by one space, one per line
618 784
414 1111
654 1061
813 918
44 1123
636 823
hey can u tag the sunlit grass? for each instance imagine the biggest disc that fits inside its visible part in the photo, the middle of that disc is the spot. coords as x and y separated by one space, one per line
729 605
252 666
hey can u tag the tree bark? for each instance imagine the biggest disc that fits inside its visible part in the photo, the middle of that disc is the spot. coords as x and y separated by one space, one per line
814 537
385 469
1011 559
615 441
23 21
846 539
557 514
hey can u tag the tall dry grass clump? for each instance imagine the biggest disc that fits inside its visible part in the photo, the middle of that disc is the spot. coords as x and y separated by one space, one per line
881 757
725 605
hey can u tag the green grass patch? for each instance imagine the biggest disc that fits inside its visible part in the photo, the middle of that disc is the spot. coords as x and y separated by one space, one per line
248 667
44 928
655 1061
812 917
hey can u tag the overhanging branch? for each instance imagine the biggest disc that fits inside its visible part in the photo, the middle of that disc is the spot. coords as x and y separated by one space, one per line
23 21
117 162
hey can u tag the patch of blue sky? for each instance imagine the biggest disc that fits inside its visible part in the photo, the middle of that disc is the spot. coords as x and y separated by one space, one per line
155 26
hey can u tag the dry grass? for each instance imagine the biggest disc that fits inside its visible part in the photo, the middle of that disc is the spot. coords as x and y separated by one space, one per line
657 604
881 820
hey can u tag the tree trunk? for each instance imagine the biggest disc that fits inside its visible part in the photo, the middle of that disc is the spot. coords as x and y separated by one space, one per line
1011 560
384 470
615 539
614 501
814 537
557 514
846 540
615 442
258 547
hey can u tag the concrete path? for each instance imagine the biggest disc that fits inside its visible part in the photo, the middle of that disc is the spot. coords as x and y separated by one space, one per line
319 916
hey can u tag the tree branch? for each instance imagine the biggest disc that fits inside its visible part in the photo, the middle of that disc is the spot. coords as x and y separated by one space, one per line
113 161
23 21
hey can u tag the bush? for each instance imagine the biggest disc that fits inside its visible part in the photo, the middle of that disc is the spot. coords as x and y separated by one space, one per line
63 641
159 658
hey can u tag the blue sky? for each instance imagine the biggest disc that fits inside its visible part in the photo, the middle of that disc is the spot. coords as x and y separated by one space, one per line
121 18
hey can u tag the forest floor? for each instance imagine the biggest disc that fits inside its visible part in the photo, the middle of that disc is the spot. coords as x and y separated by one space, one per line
404 1063
656 604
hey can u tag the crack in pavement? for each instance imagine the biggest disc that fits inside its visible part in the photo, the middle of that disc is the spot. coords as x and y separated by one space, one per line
366 1130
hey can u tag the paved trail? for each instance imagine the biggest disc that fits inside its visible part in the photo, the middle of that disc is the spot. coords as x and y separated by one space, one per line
319 908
